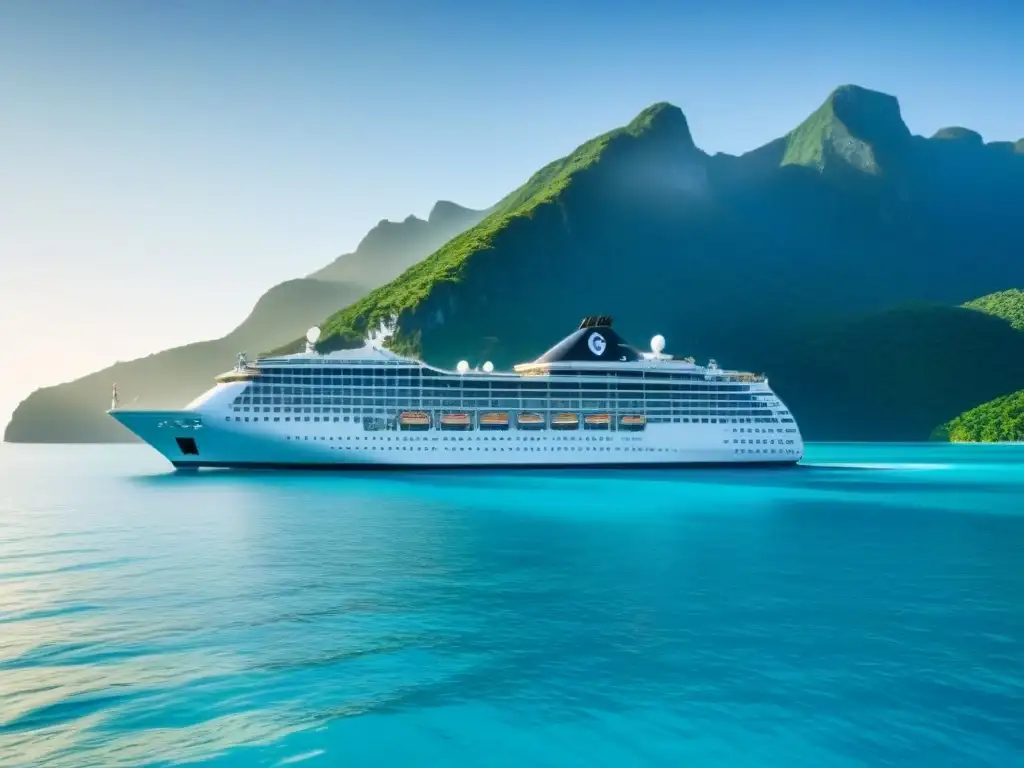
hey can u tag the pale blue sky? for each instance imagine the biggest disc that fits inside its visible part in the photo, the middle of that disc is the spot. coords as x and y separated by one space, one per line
162 164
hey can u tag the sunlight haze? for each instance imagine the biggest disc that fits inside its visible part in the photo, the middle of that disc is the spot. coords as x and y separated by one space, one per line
165 164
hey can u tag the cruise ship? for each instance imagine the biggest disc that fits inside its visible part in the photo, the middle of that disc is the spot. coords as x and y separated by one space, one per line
592 400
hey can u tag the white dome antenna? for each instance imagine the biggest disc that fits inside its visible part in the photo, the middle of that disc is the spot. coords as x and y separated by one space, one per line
658 344
311 338
488 367
462 367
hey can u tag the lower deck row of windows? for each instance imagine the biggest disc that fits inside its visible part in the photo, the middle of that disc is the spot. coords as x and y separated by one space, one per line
575 448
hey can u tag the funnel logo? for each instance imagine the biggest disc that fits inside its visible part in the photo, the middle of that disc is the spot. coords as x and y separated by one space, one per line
597 344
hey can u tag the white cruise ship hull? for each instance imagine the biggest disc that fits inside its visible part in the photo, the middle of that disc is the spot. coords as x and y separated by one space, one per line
589 401
192 440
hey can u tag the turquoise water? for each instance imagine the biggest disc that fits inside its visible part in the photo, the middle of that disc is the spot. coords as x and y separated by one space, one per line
867 609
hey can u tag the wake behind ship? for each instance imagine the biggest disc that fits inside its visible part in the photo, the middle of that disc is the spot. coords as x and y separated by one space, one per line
592 400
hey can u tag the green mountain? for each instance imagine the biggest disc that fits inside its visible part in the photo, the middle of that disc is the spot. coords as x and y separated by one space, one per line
75 411
848 214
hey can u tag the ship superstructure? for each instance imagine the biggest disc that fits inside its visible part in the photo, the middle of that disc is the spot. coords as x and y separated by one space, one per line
591 400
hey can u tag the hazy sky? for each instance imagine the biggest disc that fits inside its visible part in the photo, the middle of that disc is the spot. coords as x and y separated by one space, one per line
164 163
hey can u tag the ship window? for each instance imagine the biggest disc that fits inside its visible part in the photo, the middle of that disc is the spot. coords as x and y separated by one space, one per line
187 445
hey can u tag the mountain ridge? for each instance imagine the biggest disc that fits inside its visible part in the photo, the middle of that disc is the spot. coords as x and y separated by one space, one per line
725 252
872 116
444 221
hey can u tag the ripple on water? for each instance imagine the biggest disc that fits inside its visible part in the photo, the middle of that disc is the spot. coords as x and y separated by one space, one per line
864 610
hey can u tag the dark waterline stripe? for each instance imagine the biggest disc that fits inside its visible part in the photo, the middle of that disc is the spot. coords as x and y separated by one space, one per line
393 467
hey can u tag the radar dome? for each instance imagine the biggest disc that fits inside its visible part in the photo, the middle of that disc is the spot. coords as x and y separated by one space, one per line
488 366
312 335
462 367
658 344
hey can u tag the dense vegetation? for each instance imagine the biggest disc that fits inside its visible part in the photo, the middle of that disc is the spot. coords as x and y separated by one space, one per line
999 420
1009 305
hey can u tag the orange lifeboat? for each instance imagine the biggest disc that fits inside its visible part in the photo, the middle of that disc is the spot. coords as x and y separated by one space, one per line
597 421
497 420
456 421
633 422
530 421
414 420
565 421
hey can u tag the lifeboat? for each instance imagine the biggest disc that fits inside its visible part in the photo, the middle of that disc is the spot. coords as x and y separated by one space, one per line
632 422
456 421
498 420
530 421
597 421
414 420
565 421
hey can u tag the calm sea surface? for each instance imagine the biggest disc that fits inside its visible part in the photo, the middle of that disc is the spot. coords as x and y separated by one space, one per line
867 609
